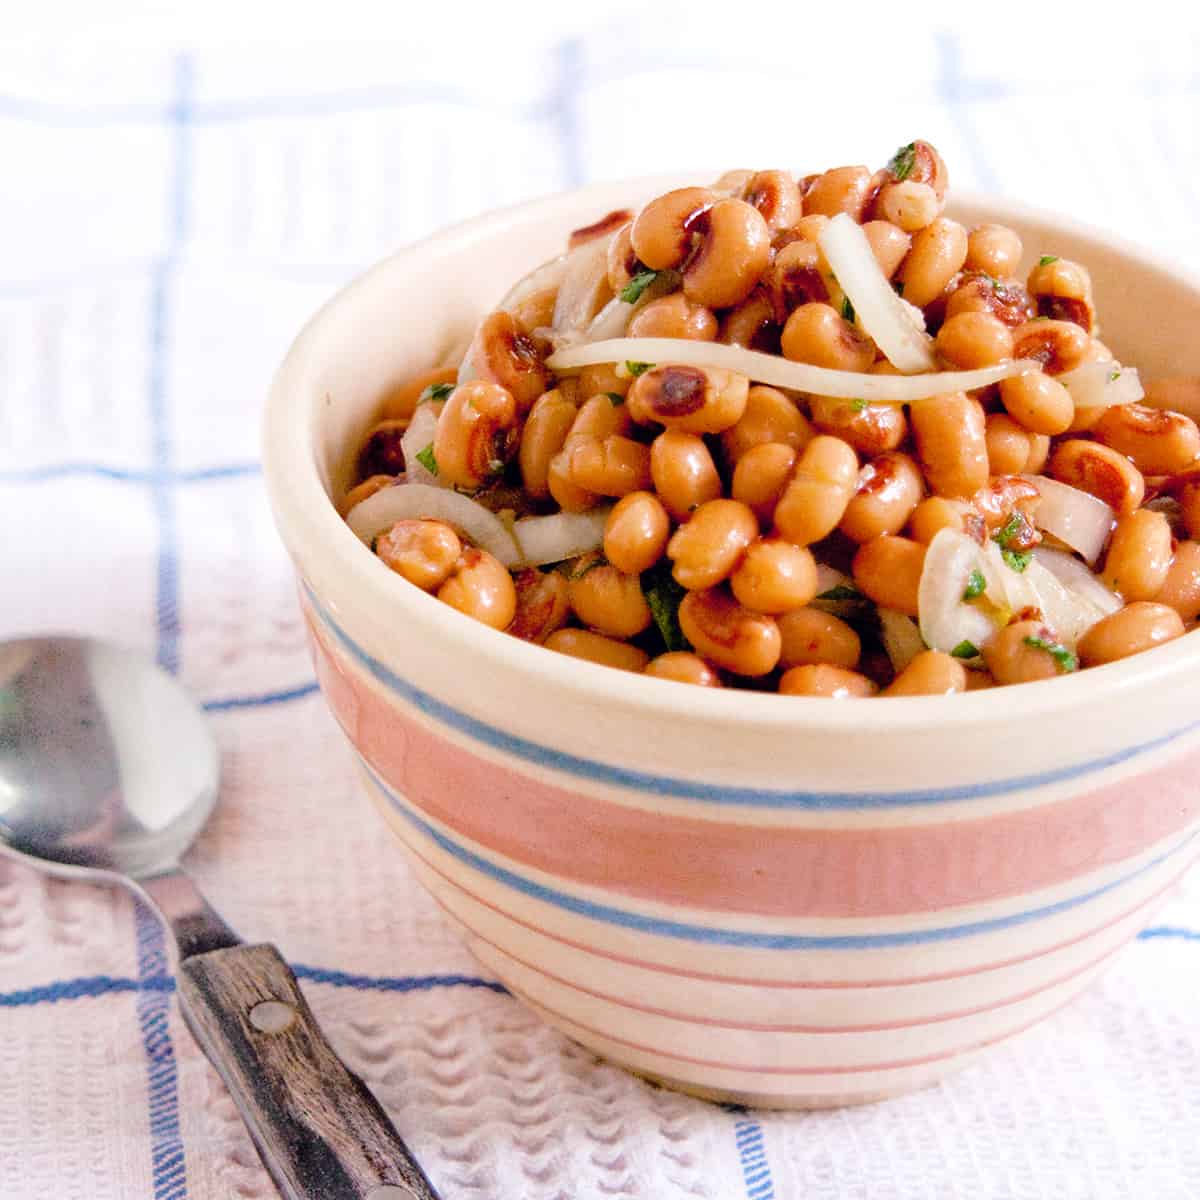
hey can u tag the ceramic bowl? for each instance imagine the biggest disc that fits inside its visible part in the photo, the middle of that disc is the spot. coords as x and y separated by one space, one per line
786 902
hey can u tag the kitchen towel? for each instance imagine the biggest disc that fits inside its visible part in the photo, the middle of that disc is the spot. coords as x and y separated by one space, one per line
174 206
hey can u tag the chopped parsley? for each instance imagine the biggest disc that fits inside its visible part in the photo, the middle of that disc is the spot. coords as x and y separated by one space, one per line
1047 259
637 368
843 591
616 398
427 460
976 585
965 649
1064 660
631 293
435 391
1009 530
902 162
858 405
663 594
847 310
1114 376
1018 560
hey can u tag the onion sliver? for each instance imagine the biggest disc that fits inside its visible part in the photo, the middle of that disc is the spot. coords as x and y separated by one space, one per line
882 314
560 535
779 372
415 501
946 619
901 637
584 285
417 437
1102 385
1079 519
1075 577
610 321
540 279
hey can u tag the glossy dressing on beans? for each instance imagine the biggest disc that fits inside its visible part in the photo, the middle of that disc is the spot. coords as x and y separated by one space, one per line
710 522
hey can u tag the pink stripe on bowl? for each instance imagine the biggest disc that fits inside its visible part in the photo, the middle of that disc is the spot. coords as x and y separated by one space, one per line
727 866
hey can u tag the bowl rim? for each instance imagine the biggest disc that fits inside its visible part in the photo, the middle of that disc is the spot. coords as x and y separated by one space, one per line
304 513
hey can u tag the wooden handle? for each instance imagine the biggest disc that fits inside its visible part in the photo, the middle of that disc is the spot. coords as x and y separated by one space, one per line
318 1130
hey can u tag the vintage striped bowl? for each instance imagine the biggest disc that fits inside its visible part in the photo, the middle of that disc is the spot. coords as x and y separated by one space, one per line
787 902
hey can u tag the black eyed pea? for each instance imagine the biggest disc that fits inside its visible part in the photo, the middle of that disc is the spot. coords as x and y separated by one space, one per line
475 433
681 666
689 399
481 587
424 552
608 600
729 635
1139 555
708 548
816 496
1130 630
931 673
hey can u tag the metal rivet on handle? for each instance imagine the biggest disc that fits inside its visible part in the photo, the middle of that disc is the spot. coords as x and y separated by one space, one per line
272 1016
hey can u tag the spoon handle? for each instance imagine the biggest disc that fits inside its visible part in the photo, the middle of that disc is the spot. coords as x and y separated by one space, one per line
320 1133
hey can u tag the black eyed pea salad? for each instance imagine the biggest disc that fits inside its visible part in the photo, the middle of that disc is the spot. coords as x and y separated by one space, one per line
805 435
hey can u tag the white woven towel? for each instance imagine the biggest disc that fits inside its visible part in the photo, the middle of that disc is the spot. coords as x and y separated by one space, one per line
169 220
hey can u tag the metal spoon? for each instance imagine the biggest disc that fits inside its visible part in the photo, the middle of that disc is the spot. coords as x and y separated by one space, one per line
107 773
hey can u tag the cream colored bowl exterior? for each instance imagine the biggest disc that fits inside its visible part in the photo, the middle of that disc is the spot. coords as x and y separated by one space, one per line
785 902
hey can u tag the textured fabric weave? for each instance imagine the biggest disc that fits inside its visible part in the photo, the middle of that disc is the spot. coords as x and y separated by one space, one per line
171 215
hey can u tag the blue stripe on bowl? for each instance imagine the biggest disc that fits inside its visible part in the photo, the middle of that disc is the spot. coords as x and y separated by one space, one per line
712 935
690 789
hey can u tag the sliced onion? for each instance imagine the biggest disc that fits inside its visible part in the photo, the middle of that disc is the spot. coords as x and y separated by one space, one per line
414 501
882 314
779 372
584 285
901 638
417 436
946 619
540 279
1075 577
1077 518
1068 611
610 321
1102 385
1006 589
560 535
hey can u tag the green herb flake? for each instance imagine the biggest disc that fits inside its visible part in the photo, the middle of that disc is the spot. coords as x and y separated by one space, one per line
902 162
663 594
637 368
1010 529
616 398
427 460
858 405
435 391
495 466
1064 660
965 649
847 310
976 585
843 591
1018 560
1047 259
631 293
1114 376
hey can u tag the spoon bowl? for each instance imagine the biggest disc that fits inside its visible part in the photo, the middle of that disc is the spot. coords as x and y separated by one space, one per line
105 763
108 772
